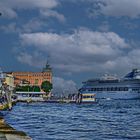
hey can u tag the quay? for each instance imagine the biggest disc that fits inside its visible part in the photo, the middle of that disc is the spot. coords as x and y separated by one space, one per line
9 133
30 97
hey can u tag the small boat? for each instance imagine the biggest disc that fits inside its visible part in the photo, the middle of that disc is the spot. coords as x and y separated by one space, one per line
30 96
86 98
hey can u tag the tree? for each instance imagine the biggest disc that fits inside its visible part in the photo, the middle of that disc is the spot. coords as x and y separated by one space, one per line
46 86
28 88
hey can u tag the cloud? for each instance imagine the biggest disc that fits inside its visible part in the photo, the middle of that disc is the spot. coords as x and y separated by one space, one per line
62 87
10 28
124 63
104 27
39 12
9 9
82 51
31 26
7 12
116 8
51 13
35 59
26 4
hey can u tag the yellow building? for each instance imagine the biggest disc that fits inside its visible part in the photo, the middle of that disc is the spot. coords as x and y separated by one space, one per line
9 80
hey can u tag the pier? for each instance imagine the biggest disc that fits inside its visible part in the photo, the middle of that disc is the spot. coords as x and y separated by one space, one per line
9 133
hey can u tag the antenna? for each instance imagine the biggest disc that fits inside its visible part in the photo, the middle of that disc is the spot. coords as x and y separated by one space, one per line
48 58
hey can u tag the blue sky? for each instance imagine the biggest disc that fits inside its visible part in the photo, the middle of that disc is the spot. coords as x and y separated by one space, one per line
81 38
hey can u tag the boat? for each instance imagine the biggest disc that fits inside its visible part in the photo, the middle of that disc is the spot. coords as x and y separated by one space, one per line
30 96
86 98
111 87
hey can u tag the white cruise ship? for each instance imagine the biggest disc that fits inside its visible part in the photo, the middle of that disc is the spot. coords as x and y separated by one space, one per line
110 87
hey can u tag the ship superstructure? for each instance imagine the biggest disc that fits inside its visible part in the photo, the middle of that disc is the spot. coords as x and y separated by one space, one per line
111 87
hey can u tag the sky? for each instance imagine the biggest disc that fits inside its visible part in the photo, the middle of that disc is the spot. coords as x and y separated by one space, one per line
81 39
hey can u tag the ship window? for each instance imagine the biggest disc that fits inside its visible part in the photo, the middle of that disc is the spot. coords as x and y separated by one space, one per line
88 96
111 89
119 89
116 88
104 89
108 89
135 89
100 89
126 89
89 89
83 89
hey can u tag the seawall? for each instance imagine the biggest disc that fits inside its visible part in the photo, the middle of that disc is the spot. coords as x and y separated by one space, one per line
9 133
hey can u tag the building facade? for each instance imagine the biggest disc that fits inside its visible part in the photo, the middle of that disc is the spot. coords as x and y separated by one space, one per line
33 78
9 80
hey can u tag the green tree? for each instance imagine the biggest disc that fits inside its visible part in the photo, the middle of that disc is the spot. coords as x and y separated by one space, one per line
46 86
28 88
36 89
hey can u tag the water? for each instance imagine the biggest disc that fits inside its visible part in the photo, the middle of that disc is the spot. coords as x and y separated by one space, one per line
106 120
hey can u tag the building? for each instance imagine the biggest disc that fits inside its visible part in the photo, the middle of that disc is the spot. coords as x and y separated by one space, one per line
9 80
33 78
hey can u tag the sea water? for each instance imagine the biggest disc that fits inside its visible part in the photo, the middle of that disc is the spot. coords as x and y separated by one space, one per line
105 120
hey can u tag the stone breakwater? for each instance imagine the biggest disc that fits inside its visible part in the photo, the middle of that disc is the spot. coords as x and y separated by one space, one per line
9 133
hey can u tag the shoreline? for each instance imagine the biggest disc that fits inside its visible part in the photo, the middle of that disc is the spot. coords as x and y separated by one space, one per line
9 133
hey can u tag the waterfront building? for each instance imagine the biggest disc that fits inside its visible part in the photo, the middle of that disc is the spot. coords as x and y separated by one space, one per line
33 78
9 80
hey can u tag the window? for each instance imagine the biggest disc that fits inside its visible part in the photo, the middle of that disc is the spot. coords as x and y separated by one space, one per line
36 82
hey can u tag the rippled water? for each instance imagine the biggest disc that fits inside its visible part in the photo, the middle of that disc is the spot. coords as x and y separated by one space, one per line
106 120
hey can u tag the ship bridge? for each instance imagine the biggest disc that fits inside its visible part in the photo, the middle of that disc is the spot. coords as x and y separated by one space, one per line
134 74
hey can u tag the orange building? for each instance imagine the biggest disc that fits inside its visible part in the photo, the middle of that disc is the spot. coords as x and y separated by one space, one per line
33 78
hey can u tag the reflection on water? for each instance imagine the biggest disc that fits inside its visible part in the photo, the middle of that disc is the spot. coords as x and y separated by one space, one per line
106 120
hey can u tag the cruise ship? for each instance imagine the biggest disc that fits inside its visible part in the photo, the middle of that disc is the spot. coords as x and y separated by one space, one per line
111 87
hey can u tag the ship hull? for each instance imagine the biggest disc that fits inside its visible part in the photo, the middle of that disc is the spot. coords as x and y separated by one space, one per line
117 95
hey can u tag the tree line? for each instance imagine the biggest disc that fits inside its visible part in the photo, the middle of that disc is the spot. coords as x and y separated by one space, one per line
46 86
